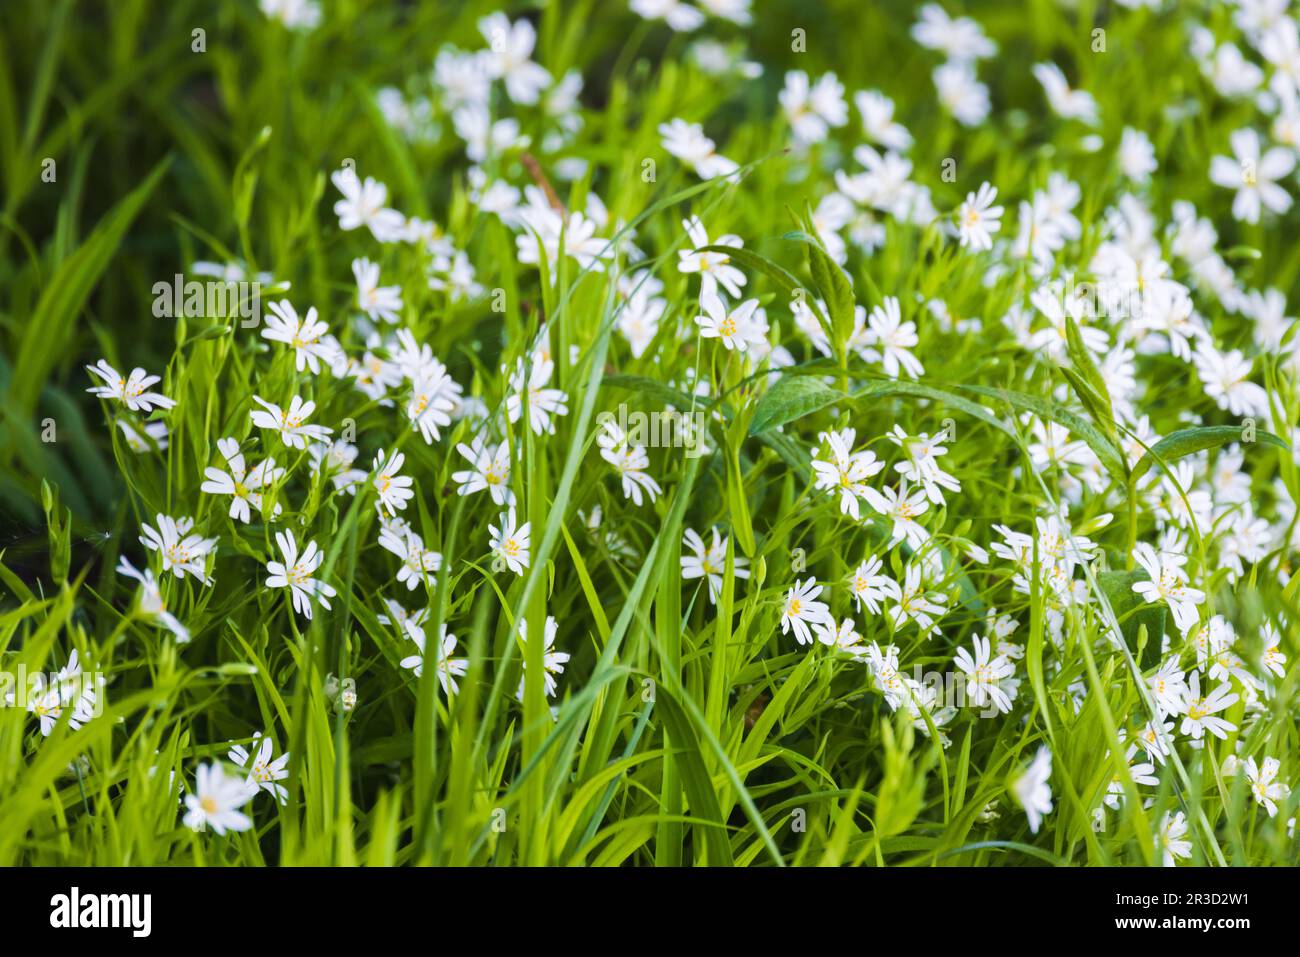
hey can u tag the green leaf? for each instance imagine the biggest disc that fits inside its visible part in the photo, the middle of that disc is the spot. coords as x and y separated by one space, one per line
1110 456
921 391
1088 385
45 340
1093 402
791 398
833 286
1118 588
751 261
695 778
1084 364
1184 442
653 389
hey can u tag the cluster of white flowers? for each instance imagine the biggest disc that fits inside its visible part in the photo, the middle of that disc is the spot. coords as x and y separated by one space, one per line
1123 305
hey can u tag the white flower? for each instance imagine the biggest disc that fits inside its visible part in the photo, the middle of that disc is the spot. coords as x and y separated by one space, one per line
69 688
449 668
1264 785
1268 310
489 469
509 59
1170 312
1032 790
1253 176
463 78
961 94
546 229
1273 659
1137 157
394 490
1156 739
233 271
801 609
342 695
978 218
292 424
714 267
150 437
483 137
1200 715
687 142
710 562
843 637
1039 238
892 339
416 559
1168 583
263 772
1169 689
553 661
363 205
846 473
293 14
372 375
1170 838
1053 448
984 675
1213 642
679 16
1228 69
216 799
738 329
295 573
885 184
132 391
1246 540
812 109
412 118
335 460
920 699
921 466
181 552
543 403
242 486
1058 307
509 543
1224 378
958 38
376 301
638 319
629 461
1180 503
151 599
915 604
869 587
434 397
737 11
407 622
878 123
1142 773
1065 102
901 508
305 335
1280 46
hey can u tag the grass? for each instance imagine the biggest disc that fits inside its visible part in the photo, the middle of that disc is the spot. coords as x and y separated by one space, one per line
683 730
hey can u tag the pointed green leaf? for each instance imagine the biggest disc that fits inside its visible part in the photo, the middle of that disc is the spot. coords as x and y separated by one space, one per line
1184 442
791 398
